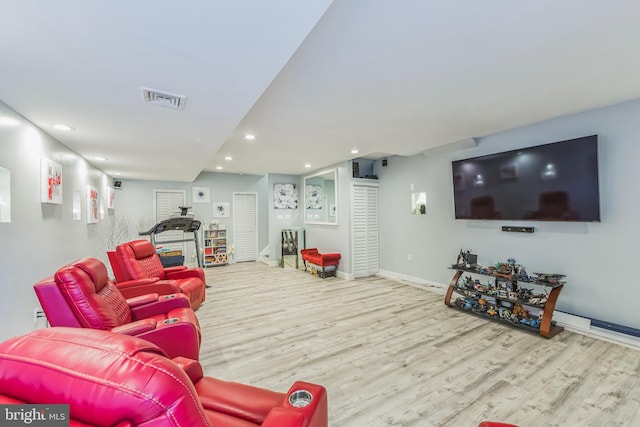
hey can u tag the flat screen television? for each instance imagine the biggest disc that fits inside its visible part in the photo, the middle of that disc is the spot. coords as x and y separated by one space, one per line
550 182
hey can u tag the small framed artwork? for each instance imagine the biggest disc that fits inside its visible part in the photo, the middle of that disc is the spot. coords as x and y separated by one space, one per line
221 209
200 195
509 171
93 209
77 205
111 198
285 196
51 181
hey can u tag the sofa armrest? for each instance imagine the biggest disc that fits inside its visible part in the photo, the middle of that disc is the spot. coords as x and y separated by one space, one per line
177 338
185 274
316 412
169 270
308 252
142 300
136 328
138 282
283 417
191 367
134 288
163 305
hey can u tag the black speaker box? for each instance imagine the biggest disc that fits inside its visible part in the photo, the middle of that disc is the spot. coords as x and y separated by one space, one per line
517 229
356 170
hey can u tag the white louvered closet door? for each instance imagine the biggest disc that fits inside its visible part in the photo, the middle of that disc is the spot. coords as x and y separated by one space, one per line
245 226
364 231
167 203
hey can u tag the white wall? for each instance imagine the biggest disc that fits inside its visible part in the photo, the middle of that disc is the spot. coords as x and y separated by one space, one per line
282 218
598 258
135 201
335 238
40 237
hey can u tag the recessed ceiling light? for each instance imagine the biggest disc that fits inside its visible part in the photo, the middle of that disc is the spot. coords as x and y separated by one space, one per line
101 159
354 151
308 165
249 137
61 126
117 173
228 158
219 168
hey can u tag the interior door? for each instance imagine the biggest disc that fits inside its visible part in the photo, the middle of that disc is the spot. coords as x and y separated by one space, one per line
245 226
364 230
167 203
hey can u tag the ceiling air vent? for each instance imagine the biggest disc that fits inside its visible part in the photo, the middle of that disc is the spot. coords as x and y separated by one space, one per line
163 99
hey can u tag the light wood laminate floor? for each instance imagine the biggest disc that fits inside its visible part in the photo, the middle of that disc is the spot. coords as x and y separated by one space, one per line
391 354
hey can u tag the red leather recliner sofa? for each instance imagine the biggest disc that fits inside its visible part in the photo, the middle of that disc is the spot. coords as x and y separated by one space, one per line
81 295
117 380
138 260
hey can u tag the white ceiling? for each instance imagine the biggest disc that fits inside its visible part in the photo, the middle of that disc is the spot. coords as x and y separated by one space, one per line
311 79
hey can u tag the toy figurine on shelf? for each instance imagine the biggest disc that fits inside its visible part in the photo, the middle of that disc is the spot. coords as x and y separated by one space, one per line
467 259
520 312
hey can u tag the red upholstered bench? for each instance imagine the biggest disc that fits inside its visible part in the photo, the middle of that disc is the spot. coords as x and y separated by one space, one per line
325 264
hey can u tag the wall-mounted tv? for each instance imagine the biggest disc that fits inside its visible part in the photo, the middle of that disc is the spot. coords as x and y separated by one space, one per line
550 182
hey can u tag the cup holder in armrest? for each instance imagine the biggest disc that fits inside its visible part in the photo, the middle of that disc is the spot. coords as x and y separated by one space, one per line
169 321
169 296
300 398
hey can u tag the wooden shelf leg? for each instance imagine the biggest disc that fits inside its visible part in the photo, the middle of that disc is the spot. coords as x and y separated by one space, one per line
452 283
547 314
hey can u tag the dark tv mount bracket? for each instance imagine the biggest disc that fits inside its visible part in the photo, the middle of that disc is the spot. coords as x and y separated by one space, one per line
517 229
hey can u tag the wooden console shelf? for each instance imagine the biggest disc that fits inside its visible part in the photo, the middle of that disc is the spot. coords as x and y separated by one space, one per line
547 328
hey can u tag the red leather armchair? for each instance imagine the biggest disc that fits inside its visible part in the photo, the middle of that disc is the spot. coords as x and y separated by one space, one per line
138 260
111 379
134 288
81 295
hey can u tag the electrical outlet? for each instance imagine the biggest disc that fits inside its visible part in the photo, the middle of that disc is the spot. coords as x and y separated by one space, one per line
37 314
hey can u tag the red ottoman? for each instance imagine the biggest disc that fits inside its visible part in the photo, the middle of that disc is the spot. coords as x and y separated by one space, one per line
325 265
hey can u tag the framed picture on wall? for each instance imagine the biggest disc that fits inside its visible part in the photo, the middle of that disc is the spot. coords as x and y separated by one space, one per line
221 209
93 208
111 198
51 181
200 195
285 196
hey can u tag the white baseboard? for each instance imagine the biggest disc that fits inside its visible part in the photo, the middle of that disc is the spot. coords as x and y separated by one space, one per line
414 281
571 322
343 275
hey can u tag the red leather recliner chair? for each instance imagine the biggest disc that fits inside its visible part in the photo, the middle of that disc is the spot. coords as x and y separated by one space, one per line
81 295
138 260
134 288
116 380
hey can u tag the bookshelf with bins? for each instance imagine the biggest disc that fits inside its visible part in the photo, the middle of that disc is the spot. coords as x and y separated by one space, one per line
215 245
